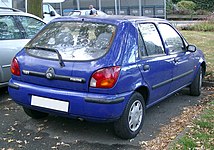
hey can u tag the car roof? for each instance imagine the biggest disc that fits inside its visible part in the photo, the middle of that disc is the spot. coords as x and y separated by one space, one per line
8 9
11 11
114 19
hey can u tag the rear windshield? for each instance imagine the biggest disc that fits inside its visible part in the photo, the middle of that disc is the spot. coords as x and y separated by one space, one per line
73 40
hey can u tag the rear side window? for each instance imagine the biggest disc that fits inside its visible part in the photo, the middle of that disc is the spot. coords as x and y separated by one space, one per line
31 26
9 29
151 38
74 40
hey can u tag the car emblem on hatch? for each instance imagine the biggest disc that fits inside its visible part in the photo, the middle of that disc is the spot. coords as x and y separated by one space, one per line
50 73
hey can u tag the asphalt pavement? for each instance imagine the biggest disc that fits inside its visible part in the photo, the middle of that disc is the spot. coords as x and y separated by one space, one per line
18 131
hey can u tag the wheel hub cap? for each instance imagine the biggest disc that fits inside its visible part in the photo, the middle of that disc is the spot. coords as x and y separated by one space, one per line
135 115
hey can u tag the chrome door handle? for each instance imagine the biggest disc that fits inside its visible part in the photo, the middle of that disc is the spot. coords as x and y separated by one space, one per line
146 67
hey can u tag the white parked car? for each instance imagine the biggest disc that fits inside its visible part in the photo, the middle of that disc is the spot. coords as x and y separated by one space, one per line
49 12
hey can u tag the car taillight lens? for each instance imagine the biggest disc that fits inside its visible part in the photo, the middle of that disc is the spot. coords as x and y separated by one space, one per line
15 70
105 78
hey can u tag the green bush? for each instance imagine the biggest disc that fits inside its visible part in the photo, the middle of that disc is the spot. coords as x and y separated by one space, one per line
169 7
205 4
186 5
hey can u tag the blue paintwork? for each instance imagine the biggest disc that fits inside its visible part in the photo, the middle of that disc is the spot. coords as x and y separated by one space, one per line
123 52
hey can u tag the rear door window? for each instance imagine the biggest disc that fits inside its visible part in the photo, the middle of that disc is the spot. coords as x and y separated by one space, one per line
9 29
30 25
74 40
151 38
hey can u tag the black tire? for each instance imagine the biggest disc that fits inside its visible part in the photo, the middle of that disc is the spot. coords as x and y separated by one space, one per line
125 127
195 87
34 113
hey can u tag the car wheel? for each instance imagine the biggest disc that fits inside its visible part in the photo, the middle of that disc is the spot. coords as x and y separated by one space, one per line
34 113
195 87
131 121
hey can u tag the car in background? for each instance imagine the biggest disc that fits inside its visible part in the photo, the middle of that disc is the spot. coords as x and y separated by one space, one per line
49 13
104 69
85 13
16 29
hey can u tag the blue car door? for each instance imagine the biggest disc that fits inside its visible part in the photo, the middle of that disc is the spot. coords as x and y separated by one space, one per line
183 60
155 66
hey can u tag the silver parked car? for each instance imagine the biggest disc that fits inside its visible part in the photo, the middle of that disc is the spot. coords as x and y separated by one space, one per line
16 29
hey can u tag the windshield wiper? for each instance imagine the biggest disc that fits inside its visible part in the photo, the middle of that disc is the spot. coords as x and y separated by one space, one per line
52 50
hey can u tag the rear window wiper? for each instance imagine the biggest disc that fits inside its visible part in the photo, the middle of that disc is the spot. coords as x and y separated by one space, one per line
52 50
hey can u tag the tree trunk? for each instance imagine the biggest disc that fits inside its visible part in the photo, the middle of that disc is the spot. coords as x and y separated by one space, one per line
35 7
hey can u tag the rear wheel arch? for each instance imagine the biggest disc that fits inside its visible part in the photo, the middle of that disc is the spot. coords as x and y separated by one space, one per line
123 126
144 91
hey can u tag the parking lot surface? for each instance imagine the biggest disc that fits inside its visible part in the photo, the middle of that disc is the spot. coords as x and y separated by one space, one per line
18 131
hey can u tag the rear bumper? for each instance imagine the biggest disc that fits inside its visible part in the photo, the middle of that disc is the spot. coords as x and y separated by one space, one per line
89 106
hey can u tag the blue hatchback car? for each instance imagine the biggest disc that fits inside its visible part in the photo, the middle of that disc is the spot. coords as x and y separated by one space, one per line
104 69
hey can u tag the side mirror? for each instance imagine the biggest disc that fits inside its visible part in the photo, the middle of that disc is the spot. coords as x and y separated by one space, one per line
191 48
52 13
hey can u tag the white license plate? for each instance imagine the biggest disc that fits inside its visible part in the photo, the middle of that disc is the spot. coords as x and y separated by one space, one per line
49 103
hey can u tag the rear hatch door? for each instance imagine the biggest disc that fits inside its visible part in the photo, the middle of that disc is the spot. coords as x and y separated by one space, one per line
65 54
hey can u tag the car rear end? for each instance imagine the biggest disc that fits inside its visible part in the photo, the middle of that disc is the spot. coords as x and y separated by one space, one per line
72 68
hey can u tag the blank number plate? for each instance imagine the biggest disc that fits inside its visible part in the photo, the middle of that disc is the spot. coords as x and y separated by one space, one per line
49 103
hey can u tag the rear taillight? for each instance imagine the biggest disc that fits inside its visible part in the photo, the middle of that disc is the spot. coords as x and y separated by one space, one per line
15 70
105 78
